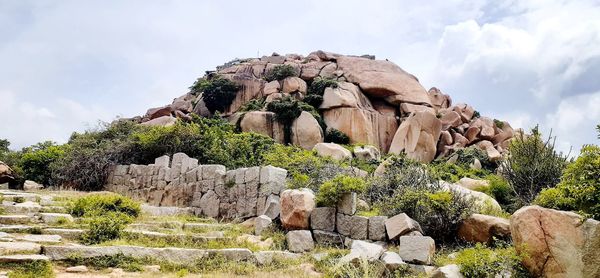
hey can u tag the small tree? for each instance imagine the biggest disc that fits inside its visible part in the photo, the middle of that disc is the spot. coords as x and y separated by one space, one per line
217 92
532 165
280 72
4 144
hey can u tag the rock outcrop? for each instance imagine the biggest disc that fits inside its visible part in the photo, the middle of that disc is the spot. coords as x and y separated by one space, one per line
6 173
557 243
375 102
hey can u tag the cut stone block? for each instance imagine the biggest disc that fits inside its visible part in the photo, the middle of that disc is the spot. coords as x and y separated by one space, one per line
417 249
300 241
323 218
400 225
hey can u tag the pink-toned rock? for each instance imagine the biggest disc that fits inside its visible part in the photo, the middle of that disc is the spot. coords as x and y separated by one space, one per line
471 133
503 134
296 207
161 121
450 119
271 88
263 123
488 147
157 112
293 84
306 131
6 173
330 71
251 88
486 126
383 79
417 136
557 243
409 108
363 126
460 140
333 151
345 95
312 69
384 108
438 99
445 138
465 111
483 228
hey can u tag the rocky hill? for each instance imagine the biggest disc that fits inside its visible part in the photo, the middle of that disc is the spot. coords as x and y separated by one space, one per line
372 101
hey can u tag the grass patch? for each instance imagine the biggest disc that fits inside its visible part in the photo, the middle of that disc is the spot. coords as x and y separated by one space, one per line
36 269
127 263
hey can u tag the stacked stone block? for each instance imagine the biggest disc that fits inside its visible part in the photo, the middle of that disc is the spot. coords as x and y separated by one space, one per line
211 190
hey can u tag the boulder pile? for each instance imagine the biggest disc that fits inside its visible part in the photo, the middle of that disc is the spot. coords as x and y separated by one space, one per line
375 102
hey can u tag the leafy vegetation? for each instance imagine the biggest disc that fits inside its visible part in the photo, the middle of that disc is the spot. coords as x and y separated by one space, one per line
217 92
335 136
316 89
407 187
332 190
253 105
533 164
481 261
280 72
579 188
127 263
34 269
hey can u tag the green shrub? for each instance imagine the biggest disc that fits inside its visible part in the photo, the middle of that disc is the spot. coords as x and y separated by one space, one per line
319 84
466 156
33 269
476 114
105 227
36 160
498 123
501 191
314 100
480 261
579 188
217 92
280 72
253 105
407 187
332 190
533 164
335 136
453 172
286 111
127 263
101 203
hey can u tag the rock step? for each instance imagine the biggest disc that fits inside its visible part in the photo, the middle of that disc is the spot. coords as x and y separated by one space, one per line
15 219
165 211
41 238
65 233
22 258
206 226
14 248
15 228
173 255
200 237
27 207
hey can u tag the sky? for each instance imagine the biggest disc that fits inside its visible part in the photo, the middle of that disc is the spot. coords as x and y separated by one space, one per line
66 65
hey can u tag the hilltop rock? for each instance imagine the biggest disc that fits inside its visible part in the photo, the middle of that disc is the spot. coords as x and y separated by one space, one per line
6 173
417 136
306 131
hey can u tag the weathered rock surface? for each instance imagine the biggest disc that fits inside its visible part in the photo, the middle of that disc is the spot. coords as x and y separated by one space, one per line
392 260
296 208
300 241
417 136
417 249
6 173
323 218
558 243
332 150
400 225
483 228
263 123
306 131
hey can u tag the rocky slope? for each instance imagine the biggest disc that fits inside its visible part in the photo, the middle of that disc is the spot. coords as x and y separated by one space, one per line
376 102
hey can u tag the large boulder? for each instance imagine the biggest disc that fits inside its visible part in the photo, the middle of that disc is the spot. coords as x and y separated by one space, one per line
161 121
481 200
417 136
383 79
332 150
306 131
300 241
483 228
345 95
6 173
296 208
557 243
263 123
438 99
400 225
157 112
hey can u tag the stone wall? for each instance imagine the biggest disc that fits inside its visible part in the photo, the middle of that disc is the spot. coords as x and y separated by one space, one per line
211 190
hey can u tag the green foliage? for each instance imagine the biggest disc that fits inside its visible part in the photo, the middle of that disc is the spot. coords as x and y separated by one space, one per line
280 72
501 191
4 144
466 156
533 165
314 100
105 227
101 203
127 263
453 172
480 261
476 114
286 111
332 190
36 160
579 188
217 92
253 105
34 269
407 187
316 89
498 123
335 136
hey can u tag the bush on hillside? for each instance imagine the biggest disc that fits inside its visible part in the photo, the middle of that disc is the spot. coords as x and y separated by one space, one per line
533 164
105 227
217 92
335 136
99 204
286 111
36 160
332 190
253 105
501 191
319 84
453 172
406 187
579 188
313 100
481 261
466 156
280 72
